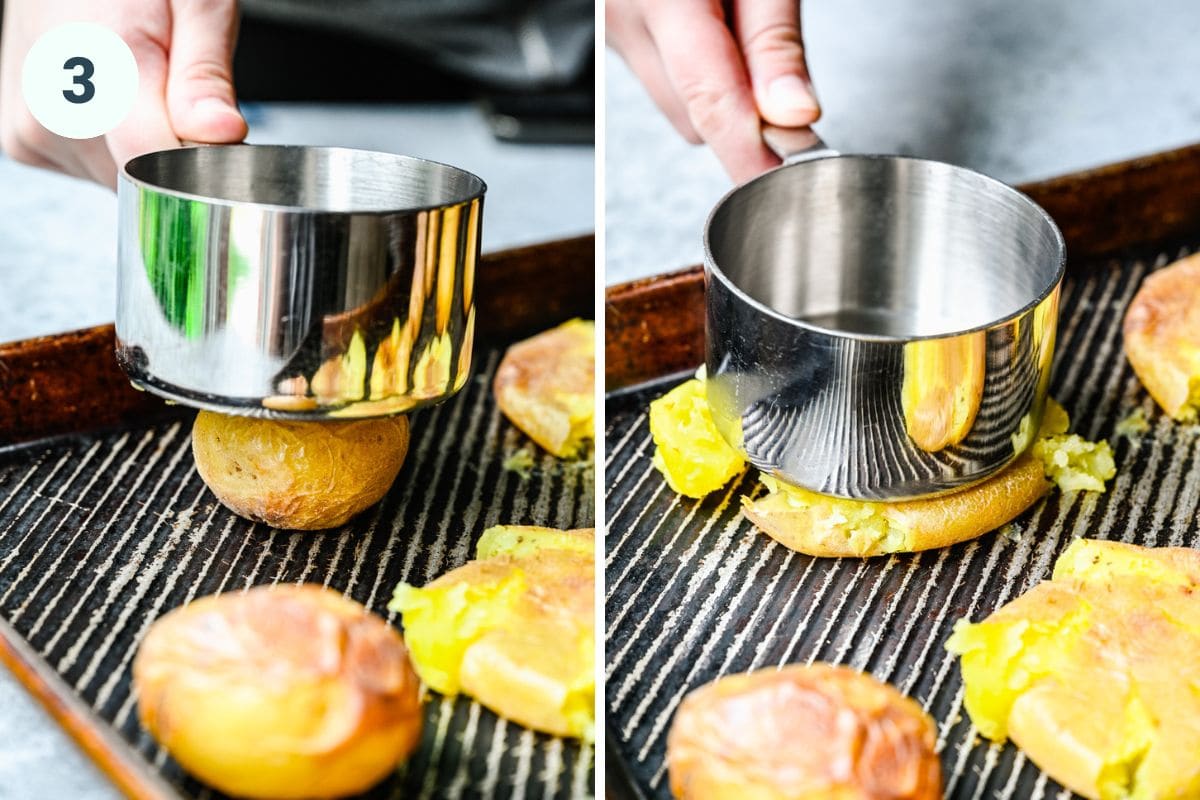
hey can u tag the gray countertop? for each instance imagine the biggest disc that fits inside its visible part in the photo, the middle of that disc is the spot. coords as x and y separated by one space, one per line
57 256
1019 89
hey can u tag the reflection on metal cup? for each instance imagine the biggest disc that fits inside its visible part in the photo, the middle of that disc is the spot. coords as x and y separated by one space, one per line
878 326
305 282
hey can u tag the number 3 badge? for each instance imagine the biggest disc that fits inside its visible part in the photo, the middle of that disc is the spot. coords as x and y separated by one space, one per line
79 80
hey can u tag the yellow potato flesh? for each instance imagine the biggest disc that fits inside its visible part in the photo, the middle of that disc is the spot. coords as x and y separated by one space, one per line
281 692
515 628
830 526
545 386
1093 673
298 475
688 450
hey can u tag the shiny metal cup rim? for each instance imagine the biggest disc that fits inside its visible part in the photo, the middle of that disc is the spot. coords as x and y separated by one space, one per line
998 185
332 266
478 190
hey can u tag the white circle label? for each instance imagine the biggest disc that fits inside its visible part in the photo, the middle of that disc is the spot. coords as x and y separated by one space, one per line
79 80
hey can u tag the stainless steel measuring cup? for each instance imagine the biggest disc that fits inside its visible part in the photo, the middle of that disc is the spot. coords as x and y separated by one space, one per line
878 327
306 282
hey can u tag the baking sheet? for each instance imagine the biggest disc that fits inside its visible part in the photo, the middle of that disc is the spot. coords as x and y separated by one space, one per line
694 592
102 533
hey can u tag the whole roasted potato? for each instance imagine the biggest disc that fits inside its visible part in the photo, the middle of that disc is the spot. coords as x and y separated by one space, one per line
298 475
802 732
279 692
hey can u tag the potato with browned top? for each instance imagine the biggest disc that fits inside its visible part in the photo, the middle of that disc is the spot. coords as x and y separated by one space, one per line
298 475
802 733
279 692
545 386
1162 337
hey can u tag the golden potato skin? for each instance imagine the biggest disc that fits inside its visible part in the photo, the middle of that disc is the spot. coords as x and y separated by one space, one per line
1162 337
915 525
279 692
802 733
298 475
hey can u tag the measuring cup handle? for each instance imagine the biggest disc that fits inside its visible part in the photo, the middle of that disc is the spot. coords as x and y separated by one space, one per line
794 145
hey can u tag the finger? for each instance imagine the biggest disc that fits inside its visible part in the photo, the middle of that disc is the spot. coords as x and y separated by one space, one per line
769 34
92 159
82 158
705 67
639 53
147 127
200 95
21 136
25 141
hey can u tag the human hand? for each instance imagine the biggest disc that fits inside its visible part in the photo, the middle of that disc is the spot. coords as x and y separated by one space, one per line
717 71
184 54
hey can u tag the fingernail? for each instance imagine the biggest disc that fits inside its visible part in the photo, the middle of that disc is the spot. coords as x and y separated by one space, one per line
215 105
790 93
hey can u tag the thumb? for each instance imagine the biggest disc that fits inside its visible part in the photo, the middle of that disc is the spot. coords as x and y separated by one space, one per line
200 96
769 34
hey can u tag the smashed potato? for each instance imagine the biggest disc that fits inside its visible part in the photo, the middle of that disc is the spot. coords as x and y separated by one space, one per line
545 385
688 450
1093 673
515 628
831 526
1162 337
298 475
802 732
279 692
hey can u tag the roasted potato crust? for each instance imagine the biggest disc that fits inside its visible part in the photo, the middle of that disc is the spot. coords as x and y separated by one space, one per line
545 386
1162 337
802 733
298 475
279 692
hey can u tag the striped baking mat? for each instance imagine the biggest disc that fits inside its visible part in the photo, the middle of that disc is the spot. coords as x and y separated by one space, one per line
102 534
693 592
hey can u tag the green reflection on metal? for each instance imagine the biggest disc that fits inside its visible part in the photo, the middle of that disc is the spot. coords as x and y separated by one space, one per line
174 240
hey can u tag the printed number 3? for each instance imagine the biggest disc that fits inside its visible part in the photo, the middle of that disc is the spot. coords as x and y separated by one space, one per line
87 89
